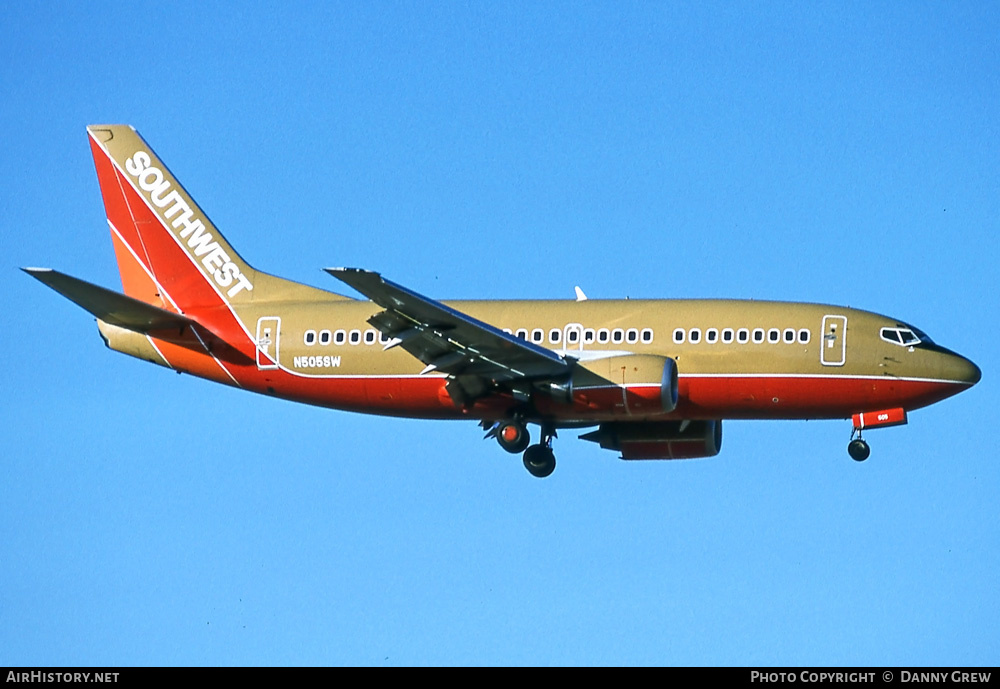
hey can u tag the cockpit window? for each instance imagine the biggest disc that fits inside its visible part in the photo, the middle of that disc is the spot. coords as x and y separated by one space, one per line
904 337
924 337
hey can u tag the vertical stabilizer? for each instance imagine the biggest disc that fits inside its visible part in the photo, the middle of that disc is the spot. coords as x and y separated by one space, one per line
169 253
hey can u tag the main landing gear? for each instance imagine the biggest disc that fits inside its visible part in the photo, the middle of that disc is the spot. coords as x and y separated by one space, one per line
512 435
540 460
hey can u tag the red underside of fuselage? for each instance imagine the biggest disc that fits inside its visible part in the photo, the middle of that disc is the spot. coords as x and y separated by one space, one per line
701 397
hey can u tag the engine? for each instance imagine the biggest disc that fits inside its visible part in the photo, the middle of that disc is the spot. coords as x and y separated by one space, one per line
660 439
629 384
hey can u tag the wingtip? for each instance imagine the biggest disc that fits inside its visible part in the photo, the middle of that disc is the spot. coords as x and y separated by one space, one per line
337 272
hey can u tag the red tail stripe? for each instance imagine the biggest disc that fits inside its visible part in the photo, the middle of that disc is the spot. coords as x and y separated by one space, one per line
142 230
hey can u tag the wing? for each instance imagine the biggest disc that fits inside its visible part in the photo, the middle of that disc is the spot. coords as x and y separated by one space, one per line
477 356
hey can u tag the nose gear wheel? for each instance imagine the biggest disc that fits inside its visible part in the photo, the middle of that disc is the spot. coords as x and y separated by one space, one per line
858 449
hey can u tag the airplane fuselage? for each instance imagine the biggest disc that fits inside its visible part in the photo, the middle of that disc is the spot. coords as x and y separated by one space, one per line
735 359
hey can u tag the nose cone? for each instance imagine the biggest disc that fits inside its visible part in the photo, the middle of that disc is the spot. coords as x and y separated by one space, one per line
968 372
952 366
957 368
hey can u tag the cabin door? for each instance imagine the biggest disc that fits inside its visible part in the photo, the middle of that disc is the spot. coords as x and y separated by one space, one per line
833 348
268 329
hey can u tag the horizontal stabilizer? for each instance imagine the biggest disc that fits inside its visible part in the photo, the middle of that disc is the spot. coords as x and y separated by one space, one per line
111 307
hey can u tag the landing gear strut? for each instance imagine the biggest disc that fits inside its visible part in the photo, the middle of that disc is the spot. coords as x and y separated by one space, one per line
858 449
540 460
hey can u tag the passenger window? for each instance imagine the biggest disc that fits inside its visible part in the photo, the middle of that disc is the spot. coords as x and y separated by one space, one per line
588 335
339 337
355 337
804 336
773 335
679 336
537 335
632 335
758 335
310 337
555 335
711 336
727 335
370 337
789 335
647 335
522 333
603 335
324 337
617 335
573 336
694 336
742 335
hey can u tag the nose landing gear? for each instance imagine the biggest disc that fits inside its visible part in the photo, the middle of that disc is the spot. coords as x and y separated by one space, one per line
858 449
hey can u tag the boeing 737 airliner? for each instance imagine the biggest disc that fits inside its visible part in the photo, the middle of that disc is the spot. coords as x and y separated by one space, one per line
653 379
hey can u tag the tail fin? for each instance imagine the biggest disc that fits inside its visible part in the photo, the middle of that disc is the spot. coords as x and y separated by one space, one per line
169 253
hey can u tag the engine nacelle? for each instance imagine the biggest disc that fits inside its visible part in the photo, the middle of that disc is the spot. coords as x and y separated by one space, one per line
660 439
627 384
562 392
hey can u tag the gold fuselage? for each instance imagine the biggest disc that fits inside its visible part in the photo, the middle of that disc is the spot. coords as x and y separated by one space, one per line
736 359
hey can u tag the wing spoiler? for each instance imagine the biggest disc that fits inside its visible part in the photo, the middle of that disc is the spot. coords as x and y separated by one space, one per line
446 339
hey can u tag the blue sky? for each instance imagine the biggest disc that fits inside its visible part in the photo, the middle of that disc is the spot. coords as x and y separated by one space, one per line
832 152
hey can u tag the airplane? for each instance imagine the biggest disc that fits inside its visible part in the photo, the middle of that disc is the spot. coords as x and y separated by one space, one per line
653 378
